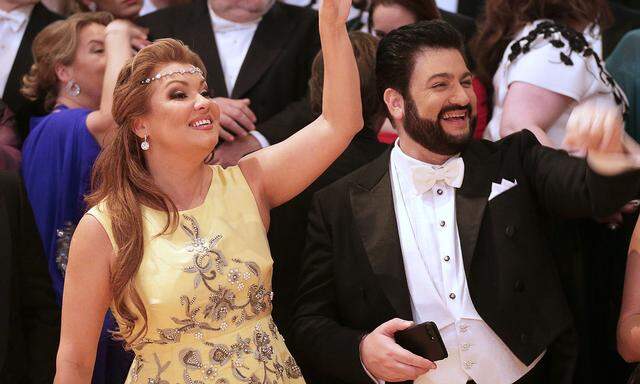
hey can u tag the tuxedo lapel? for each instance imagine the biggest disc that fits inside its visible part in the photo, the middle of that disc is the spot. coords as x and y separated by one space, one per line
480 169
268 42
37 21
200 36
375 219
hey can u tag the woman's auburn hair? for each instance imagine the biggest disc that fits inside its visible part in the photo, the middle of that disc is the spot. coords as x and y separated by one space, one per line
502 20
56 45
121 181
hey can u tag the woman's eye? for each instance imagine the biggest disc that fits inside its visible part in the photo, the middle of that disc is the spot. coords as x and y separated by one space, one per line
467 83
438 85
206 94
178 95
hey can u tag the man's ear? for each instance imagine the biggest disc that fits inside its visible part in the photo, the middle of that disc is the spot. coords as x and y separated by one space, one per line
395 104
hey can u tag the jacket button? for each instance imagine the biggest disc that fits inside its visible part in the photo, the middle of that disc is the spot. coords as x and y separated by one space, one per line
510 230
524 338
518 286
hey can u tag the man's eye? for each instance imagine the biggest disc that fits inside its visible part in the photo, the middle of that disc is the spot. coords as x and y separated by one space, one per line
438 85
467 83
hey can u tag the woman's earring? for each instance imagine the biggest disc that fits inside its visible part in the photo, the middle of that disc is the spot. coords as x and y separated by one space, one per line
145 144
72 88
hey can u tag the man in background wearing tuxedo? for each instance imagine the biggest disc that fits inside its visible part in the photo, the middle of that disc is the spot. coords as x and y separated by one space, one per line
20 22
258 55
30 316
446 229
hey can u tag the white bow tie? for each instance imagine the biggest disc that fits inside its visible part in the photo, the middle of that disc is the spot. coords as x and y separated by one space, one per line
451 173
13 20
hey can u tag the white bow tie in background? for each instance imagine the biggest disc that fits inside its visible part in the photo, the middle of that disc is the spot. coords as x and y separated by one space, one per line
451 173
13 20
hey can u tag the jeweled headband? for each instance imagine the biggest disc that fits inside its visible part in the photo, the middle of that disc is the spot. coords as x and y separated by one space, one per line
192 71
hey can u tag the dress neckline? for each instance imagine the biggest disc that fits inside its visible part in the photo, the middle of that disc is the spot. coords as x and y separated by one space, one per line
197 207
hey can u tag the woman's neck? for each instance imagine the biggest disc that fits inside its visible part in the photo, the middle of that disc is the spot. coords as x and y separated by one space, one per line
185 182
75 102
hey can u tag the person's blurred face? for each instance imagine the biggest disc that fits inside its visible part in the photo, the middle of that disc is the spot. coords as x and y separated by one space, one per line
120 9
241 11
440 106
182 118
386 18
87 68
10 5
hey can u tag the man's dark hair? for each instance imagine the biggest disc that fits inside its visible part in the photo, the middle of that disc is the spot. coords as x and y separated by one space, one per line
397 51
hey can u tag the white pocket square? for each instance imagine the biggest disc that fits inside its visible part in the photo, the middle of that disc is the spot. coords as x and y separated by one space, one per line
505 185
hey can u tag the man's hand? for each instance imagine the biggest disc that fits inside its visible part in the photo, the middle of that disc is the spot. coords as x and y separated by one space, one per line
386 360
230 152
236 118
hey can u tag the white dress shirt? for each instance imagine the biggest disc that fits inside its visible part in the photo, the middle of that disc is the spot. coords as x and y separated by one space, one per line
437 282
448 5
233 41
12 28
147 7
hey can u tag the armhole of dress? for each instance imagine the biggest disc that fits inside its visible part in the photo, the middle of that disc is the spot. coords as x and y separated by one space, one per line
238 176
105 223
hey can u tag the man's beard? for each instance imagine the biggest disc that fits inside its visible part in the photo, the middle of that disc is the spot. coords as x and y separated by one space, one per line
431 135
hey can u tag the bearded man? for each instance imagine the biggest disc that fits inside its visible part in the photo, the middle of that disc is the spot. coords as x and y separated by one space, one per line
258 55
445 229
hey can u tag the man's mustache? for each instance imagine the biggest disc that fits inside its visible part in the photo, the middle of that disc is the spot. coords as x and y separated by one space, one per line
455 107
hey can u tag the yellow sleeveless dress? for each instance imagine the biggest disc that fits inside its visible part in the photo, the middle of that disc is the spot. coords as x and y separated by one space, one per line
206 289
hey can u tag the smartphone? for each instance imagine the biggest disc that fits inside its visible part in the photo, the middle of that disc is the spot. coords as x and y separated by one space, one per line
423 340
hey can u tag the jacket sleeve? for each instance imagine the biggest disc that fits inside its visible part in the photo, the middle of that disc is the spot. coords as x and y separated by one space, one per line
291 119
566 186
320 342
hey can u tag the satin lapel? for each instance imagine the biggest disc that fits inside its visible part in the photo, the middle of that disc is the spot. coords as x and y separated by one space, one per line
200 38
23 56
375 219
271 35
480 169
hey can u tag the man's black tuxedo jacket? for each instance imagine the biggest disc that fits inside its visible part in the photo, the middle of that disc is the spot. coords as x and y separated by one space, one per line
353 276
23 108
30 317
288 229
275 72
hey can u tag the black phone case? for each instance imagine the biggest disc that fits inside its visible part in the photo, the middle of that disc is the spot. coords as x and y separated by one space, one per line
423 340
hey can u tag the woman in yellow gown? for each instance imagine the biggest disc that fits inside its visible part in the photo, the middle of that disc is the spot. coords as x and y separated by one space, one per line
178 248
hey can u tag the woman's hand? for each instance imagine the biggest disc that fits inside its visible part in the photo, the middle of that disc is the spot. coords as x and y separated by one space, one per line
334 11
137 36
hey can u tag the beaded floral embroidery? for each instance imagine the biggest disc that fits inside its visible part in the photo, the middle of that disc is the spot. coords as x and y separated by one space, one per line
567 41
224 279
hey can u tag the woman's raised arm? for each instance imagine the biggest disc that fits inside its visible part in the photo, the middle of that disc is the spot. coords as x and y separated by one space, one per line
278 173
121 37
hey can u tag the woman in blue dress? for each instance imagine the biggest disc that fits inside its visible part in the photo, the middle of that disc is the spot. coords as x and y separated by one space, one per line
76 61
